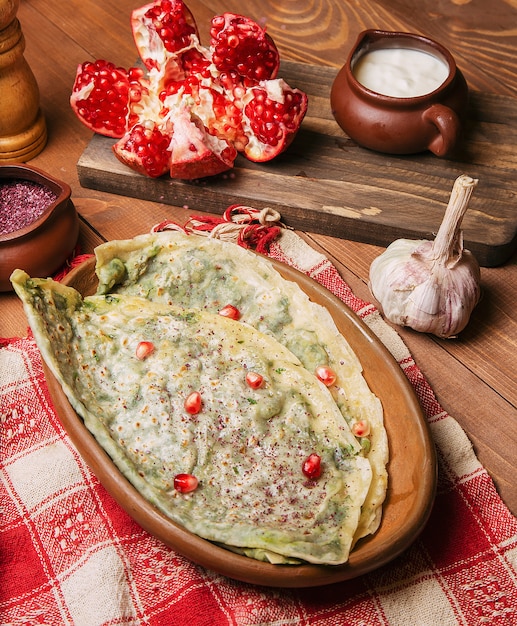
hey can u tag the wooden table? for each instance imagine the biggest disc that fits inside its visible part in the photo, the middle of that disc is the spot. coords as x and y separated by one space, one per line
473 377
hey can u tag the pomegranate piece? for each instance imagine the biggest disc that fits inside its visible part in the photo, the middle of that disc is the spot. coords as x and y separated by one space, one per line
240 44
185 483
326 375
311 467
145 149
144 349
192 62
219 107
230 311
272 115
161 30
194 152
193 403
103 96
254 380
361 428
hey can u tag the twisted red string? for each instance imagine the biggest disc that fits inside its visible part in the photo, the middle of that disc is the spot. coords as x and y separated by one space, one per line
250 232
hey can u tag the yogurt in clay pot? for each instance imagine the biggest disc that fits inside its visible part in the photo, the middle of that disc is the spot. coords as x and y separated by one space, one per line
400 93
400 72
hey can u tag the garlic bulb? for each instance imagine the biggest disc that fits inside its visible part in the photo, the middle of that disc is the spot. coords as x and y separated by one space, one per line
431 286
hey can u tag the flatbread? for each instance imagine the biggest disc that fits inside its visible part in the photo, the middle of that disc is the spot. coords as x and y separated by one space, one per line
207 273
246 446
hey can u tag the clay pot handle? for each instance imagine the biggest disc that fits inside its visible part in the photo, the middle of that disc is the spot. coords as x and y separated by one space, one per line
449 129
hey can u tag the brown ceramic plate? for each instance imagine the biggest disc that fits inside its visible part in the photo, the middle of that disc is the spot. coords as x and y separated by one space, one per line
412 465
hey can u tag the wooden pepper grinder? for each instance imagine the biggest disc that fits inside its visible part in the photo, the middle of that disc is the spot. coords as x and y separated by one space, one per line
23 132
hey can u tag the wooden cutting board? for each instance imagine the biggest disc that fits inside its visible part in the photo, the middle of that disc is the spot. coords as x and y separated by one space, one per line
325 183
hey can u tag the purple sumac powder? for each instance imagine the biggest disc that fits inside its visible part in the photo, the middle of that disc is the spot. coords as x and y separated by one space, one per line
21 203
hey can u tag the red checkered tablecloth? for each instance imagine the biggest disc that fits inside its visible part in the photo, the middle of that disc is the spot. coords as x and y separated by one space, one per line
70 555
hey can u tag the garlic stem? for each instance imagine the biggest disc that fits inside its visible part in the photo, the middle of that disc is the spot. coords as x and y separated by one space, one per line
445 245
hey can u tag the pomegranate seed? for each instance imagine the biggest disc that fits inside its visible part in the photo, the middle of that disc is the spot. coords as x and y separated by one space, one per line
312 466
185 483
326 375
254 380
230 311
233 41
193 403
144 349
361 428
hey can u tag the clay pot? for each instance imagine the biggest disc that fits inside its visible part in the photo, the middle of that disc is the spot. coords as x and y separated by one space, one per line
44 245
396 125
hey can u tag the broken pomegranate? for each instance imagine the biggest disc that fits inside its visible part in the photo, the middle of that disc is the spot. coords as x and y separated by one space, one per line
194 108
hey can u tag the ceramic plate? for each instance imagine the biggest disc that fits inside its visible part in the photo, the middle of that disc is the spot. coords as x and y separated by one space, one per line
411 469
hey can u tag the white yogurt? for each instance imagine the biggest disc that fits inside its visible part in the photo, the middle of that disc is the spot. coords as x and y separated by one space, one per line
400 72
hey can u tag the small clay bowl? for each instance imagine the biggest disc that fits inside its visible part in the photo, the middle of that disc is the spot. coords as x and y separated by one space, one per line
42 246
400 125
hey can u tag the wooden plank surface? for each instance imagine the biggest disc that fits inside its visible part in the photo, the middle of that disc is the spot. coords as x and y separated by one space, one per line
327 184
